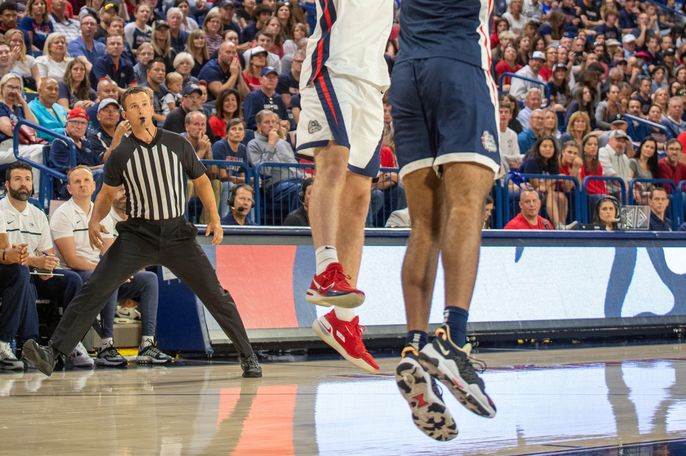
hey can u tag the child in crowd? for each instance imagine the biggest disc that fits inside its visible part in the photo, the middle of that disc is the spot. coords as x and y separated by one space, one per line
174 83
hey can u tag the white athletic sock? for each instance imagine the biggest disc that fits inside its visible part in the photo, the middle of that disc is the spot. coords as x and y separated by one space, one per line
106 341
344 314
325 255
147 340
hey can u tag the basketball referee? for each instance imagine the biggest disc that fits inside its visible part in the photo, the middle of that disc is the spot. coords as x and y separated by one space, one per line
153 165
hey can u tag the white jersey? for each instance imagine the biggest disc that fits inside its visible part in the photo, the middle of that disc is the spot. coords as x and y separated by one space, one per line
69 220
3 227
27 227
350 39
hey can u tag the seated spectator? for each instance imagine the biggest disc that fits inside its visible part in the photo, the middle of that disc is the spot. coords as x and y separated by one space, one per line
191 100
228 107
509 146
13 107
145 55
281 185
85 44
570 164
614 160
289 83
658 202
488 212
48 112
532 102
241 203
189 23
23 64
161 43
178 36
583 102
670 167
213 27
591 166
195 126
261 15
196 46
266 40
298 40
59 157
544 160
528 218
36 23
255 60
53 62
183 64
300 216
655 116
550 125
76 90
156 73
636 130
644 166
110 129
264 98
606 214
15 290
62 21
106 89
76 252
578 127
527 138
231 148
30 227
138 31
507 65
520 87
609 109
113 66
174 84
224 72
8 16
673 121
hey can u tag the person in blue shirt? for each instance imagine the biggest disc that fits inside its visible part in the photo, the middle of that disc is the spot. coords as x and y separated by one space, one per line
48 111
241 203
112 65
59 157
658 200
86 45
264 98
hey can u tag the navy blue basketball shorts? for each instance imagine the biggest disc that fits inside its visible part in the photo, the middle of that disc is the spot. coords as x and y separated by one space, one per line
444 111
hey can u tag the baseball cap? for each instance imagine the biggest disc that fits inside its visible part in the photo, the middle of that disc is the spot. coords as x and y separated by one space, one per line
268 70
160 24
644 55
628 38
77 113
191 88
247 55
618 134
538 55
612 42
619 120
559 66
669 51
106 102
226 4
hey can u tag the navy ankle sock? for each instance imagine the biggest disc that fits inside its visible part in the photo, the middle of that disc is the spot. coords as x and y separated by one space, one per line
417 339
456 319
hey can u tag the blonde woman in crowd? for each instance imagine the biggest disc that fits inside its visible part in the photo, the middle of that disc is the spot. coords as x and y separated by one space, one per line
53 63
24 65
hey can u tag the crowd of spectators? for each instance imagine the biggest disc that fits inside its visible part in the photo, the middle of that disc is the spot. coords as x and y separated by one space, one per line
587 88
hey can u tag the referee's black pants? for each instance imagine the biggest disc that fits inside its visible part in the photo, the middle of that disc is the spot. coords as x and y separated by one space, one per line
142 243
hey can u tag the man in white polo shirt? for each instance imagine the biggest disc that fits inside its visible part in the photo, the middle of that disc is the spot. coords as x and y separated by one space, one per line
69 226
26 224
16 293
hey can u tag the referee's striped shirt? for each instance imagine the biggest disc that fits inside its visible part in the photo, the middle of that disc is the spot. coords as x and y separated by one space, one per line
154 175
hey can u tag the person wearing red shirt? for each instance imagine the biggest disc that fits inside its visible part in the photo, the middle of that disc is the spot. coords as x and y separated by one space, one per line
528 218
670 167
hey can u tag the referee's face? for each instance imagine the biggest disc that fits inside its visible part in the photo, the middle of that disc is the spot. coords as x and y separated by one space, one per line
138 106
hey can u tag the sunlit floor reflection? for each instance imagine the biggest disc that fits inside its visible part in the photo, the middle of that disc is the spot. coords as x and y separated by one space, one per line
548 401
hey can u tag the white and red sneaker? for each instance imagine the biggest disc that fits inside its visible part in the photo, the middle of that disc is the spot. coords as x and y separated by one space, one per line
332 288
346 338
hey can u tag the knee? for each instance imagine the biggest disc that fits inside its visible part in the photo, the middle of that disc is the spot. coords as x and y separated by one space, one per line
147 278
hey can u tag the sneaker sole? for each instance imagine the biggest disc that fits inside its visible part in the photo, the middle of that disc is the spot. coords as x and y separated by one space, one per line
30 351
467 394
79 366
347 301
103 363
12 367
324 336
149 360
429 413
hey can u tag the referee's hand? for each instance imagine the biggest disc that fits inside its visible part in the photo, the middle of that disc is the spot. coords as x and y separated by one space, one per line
94 234
215 227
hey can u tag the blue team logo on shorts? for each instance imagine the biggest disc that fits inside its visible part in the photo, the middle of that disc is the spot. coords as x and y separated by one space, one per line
313 126
488 141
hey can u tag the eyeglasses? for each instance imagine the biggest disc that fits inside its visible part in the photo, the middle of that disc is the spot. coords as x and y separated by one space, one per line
78 122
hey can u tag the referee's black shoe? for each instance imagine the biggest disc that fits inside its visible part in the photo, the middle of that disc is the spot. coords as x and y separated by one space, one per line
44 357
251 368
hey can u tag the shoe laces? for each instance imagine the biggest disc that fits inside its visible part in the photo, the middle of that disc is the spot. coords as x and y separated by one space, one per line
335 273
250 362
357 330
151 350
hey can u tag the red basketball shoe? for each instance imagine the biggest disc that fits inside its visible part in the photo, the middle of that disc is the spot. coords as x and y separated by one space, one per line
332 288
346 338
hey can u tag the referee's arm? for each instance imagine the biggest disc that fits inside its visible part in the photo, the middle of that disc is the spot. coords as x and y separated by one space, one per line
203 188
102 206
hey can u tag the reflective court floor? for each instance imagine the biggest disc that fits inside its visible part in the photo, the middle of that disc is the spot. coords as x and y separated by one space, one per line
595 401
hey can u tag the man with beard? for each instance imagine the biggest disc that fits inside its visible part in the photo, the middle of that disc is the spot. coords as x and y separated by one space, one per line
26 224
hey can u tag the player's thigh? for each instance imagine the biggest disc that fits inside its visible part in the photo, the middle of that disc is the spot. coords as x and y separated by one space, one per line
462 108
366 130
325 115
414 145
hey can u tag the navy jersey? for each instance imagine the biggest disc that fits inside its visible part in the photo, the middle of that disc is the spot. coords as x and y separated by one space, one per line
456 29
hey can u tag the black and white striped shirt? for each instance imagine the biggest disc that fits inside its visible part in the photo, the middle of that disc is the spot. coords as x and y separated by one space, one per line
154 175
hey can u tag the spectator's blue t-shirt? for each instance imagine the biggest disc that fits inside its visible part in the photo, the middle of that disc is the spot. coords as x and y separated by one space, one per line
256 101
14 114
213 72
40 31
59 158
436 28
222 151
